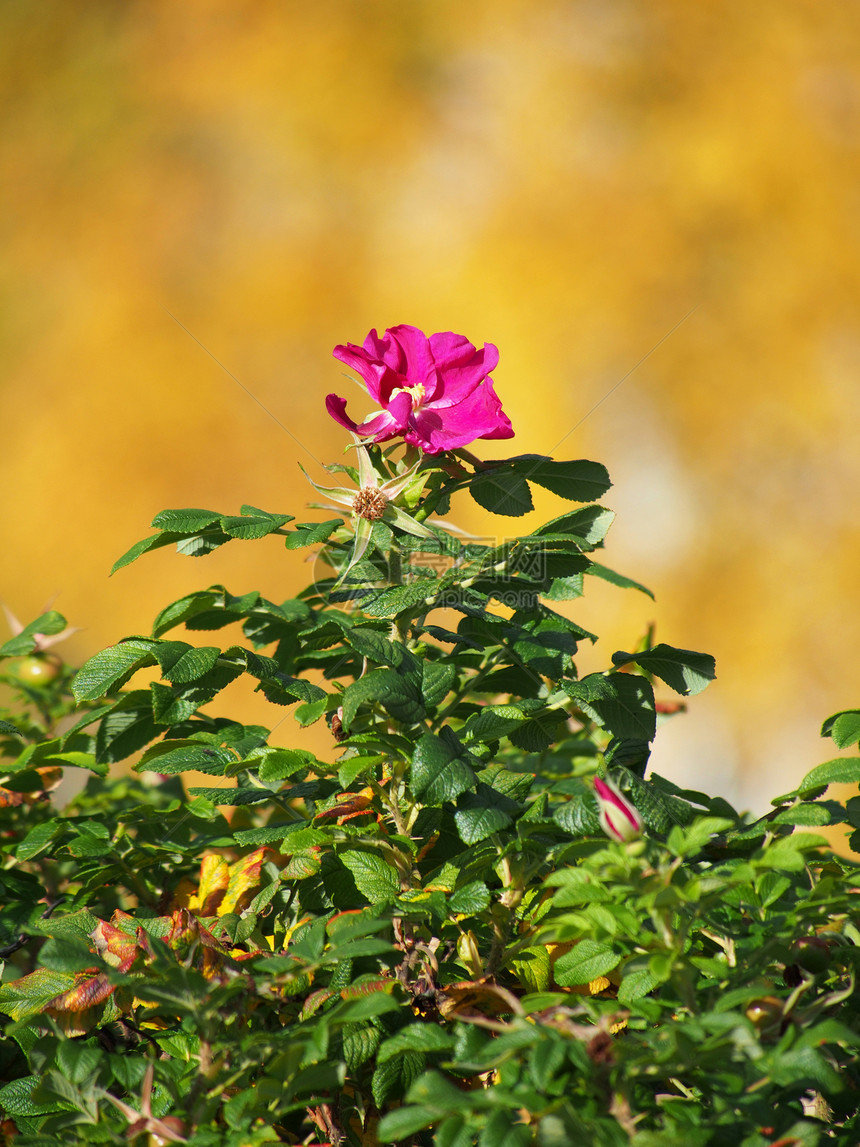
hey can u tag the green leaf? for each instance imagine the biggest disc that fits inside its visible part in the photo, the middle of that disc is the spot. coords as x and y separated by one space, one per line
807 813
182 663
635 985
415 1037
5 727
108 670
393 1077
66 955
398 695
373 877
502 491
376 647
579 481
586 960
311 533
184 521
153 542
683 670
606 574
405 1121
25 641
32 993
398 598
589 524
843 727
841 770
38 839
253 523
482 813
493 722
16 1098
437 680
471 899
180 756
620 702
441 768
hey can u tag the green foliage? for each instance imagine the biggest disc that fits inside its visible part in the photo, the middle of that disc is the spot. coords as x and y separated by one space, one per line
425 937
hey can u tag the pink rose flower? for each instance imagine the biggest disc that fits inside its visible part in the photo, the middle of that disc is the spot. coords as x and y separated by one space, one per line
435 392
618 817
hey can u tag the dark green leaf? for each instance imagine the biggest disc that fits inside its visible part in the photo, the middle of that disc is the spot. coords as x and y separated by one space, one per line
502 491
441 768
482 813
579 481
374 878
620 702
683 670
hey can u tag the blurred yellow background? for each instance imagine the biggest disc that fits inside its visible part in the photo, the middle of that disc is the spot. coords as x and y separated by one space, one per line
567 179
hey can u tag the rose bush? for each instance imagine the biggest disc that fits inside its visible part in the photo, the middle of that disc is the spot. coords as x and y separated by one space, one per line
437 930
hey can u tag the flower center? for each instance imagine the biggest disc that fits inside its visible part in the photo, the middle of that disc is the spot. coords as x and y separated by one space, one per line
416 392
370 503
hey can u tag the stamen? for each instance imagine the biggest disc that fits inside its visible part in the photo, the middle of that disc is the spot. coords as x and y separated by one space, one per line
370 504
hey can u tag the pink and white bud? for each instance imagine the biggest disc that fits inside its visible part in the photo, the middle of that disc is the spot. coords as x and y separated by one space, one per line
619 819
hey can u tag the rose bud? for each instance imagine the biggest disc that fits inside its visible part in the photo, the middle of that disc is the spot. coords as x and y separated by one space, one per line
619 819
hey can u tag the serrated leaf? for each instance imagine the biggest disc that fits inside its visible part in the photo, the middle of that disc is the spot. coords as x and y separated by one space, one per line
437 680
841 770
184 521
311 533
153 542
376 647
25 641
173 757
683 670
586 960
227 796
32 993
493 722
38 839
482 813
502 491
614 578
394 1077
578 481
415 1037
373 877
398 598
620 702
182 663
806 813
398 695
254 524
107 671
471 899
843 727
441 768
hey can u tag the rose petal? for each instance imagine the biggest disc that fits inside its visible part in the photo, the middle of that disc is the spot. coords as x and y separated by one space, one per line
480 415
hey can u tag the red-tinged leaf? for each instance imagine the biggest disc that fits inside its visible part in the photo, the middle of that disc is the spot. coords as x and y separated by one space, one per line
9 799
244 878
366 988
214 878
114 946
87 991
301 865
354 804
314 1002
32 993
